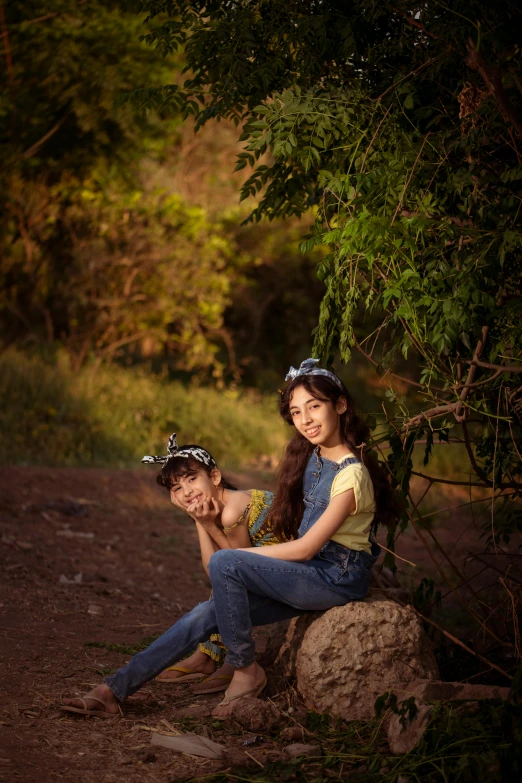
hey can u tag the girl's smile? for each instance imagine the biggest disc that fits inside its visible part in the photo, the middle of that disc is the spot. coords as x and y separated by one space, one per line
318 420
193 488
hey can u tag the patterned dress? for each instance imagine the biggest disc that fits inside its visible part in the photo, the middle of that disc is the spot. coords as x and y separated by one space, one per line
260 532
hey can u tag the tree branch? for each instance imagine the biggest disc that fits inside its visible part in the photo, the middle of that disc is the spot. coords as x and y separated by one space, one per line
36 146
432 413
464 646
490 366
412 73
460 413
389 372
7 47
447 481
492 78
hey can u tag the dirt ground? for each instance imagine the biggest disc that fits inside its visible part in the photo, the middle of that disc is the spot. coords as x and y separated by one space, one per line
100 556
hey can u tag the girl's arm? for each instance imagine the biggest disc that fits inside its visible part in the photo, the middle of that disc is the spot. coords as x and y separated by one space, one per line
206 515
207 545
326 526
233 513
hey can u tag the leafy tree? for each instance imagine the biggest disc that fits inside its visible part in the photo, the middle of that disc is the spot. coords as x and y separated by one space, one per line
104 247
400 124
92 255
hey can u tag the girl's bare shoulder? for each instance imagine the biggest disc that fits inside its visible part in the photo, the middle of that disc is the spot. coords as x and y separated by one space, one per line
236 502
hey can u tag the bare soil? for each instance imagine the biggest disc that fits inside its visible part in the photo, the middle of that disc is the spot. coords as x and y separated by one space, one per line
89 556
100 556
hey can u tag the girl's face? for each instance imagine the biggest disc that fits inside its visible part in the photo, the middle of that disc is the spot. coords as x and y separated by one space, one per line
318 420
189 490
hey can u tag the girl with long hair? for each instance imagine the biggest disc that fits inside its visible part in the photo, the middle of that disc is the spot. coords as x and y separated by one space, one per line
329 499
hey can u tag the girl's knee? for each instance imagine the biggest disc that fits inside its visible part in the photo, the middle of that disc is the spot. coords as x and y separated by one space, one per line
221 560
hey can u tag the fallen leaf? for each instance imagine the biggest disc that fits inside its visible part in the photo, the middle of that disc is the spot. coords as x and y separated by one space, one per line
192 744
76 580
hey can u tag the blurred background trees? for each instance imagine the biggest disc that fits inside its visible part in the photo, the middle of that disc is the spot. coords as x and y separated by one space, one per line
121 236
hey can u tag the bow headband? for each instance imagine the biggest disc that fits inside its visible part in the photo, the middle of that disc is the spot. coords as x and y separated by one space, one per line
173 450
308 368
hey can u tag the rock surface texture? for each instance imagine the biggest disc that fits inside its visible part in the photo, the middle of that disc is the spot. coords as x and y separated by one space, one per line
352 654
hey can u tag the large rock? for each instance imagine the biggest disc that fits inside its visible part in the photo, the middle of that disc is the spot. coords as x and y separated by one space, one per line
352 654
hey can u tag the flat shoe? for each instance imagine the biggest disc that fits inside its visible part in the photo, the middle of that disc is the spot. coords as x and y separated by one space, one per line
187 675
253 692
222 686
95 713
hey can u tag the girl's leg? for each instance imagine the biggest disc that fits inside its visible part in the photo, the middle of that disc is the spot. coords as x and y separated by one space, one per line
204 661
172 646
195 667
300 587
236 575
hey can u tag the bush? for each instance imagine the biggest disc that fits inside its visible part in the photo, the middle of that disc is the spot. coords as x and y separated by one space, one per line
50 415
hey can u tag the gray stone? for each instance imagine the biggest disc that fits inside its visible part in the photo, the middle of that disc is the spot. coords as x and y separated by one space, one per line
405 737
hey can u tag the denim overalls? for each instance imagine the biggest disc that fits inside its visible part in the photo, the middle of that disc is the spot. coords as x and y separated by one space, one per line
345 568
251 589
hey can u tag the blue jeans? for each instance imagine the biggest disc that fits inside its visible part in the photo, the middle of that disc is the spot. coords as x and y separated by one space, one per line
250 589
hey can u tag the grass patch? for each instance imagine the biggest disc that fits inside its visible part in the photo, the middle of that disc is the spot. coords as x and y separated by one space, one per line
461 745
51 416
124 649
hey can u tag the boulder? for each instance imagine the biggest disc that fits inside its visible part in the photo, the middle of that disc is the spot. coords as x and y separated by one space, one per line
351 654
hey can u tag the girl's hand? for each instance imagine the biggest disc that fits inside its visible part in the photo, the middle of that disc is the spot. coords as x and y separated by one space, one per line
205 512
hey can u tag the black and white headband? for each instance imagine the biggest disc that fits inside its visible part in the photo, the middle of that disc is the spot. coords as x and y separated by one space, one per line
173 450
308 367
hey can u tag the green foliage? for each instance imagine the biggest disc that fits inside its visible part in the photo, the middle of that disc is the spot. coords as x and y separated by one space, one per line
406 710
103 250
64 68
426 596
51 415
401 126
462 743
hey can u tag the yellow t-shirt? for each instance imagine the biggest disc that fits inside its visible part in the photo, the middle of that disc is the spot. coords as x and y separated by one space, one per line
355 530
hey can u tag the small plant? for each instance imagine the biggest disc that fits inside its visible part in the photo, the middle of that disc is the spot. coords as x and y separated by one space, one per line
124 649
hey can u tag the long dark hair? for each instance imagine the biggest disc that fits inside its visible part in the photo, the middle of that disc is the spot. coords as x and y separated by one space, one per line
288 506
179 467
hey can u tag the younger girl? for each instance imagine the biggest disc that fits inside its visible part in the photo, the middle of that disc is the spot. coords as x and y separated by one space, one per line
225 518
327 501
